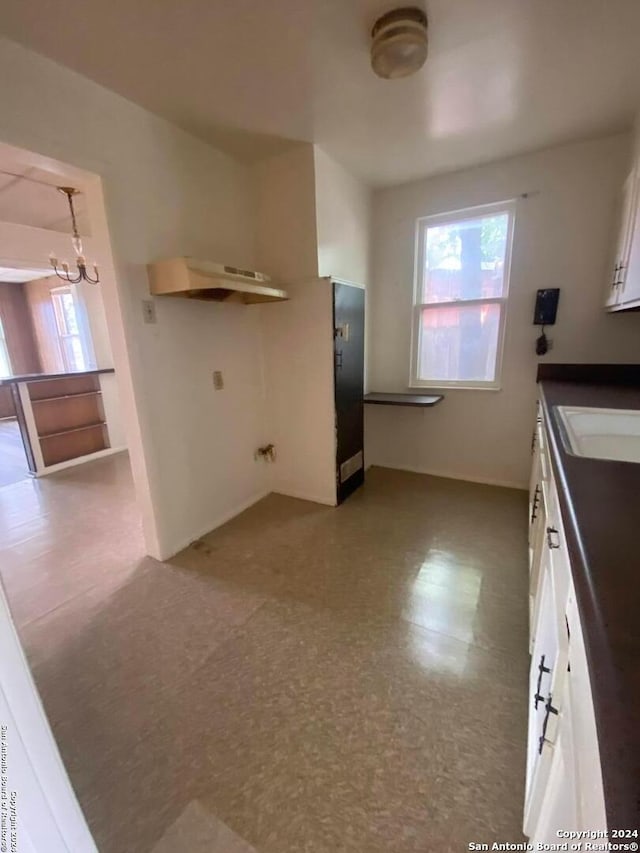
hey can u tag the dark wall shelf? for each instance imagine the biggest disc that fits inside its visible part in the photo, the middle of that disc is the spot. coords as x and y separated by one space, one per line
420 401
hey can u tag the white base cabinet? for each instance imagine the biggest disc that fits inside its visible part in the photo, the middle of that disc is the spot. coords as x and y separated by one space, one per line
558 807
564 780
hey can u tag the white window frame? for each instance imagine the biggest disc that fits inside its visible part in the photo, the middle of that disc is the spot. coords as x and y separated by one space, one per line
57 292
5 351
422 225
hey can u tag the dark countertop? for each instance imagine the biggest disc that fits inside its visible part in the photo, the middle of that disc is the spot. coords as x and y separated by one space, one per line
380 398
600 505
41 377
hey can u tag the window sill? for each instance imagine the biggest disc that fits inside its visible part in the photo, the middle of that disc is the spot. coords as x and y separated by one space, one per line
426 388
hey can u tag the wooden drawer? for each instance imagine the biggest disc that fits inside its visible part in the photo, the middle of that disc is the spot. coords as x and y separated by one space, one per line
46 388
60 447
56 414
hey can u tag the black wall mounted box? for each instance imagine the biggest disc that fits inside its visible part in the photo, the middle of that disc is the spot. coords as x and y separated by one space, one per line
546 306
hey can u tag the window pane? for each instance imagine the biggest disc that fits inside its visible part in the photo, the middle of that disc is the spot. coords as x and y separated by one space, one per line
465 260
58 313
71 322
73 356
459 343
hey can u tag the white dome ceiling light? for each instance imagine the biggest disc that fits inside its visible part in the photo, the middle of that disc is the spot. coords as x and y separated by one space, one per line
399 43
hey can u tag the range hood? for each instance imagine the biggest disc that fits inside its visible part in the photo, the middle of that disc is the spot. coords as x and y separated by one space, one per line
194 279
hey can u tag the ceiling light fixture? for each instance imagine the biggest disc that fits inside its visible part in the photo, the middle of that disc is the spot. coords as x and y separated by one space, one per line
76 240
399 43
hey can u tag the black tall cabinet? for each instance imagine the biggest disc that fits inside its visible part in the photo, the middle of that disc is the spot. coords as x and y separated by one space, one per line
349 330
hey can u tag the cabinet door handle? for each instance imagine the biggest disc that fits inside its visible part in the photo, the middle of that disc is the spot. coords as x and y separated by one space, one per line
548 709
615 282
542 669
339 359
535 502
551 532
618 275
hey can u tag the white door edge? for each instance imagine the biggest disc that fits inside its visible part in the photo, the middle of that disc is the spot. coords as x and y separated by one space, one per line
40 805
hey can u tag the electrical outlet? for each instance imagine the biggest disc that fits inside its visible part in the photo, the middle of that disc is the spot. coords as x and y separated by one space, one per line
218 381
149 311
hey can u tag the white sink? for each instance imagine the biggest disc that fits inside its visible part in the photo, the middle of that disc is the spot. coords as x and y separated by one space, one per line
601 433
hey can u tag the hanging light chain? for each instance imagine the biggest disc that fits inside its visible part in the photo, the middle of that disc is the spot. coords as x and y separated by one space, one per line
81 263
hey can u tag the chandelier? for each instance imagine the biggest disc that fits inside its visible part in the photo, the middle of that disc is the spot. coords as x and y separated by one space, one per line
81 263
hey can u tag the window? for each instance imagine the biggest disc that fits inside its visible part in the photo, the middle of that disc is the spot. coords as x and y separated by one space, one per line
64 310
5 361
460 302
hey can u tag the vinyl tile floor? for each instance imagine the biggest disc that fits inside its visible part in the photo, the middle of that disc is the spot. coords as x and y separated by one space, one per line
302 679
13 460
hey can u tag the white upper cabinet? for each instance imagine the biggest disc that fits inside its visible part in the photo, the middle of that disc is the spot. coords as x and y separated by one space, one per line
623 286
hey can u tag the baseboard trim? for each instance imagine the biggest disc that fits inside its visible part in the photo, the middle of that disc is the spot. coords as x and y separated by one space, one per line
213 525
78 460
447 475
303 496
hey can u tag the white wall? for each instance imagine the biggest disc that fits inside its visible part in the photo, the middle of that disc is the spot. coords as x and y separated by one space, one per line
562 238
298 337
636 137
166 194
313 219
343 225
284 188
343 206
297 334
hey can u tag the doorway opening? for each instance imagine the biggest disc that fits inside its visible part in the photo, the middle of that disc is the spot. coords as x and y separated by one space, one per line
43 332
68 419
71 518
66 392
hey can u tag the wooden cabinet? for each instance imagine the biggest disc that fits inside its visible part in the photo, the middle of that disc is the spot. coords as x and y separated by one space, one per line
623 285
564 781
69 417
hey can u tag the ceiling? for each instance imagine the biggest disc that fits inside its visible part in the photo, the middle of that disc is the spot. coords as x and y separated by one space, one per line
28 196
19 275
502 77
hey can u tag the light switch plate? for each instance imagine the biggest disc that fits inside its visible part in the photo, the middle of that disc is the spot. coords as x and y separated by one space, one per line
218 380
149 311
